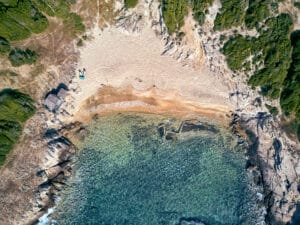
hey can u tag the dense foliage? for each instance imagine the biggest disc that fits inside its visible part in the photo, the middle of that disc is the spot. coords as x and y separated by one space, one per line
174 12
237 50
271 53
297 5
130 3
15 109
275 48
21 21
199 9
290 97
4 46
232 14
18 57
274 56
257 11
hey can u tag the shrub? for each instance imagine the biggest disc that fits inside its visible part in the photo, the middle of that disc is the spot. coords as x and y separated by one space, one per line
18 57
272 49
15 109
257 11
290 97
272 109
4 46
297 5
232 14
174 12
237 49
130 3
20 21
199 7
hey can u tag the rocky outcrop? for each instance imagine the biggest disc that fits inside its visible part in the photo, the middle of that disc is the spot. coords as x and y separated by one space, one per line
57 168
273 161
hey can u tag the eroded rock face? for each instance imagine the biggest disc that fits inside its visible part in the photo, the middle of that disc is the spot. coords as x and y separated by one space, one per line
273 162
57 168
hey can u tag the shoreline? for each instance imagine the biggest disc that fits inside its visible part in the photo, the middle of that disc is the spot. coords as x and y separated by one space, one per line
113 100
135 76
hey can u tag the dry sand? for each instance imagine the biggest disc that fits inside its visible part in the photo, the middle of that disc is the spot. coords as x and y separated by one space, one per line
140 78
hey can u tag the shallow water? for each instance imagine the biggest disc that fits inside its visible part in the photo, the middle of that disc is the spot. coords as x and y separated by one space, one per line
126 174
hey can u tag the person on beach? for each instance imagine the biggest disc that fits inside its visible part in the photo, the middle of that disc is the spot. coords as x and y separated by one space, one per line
81 74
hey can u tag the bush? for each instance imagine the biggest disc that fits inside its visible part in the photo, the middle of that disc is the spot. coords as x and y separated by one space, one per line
272 50
272 109
74 23
290 97
237 49
297 5
174 12
199 7
257 12
11 3
20 21
4 46
18 57
232 14
15 109
130 3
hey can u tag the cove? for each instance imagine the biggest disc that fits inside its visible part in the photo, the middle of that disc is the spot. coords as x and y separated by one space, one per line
127 174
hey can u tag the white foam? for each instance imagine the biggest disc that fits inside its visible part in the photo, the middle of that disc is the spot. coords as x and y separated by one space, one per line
45 220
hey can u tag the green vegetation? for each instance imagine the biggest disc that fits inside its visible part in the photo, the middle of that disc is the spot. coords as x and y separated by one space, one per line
232 14
79 43
272 109
290 97
276 58
199 8
272 51
237 49
9 2
18 57
257 12
174 12
276 51
130 3
4 46
61 9
15 109
21 21
297 5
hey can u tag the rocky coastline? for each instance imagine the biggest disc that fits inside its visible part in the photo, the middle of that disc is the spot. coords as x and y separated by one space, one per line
273 160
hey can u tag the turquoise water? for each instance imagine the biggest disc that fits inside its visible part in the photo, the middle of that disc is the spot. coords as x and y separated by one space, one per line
126 174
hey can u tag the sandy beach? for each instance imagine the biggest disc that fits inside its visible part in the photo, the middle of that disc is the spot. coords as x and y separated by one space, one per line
127 72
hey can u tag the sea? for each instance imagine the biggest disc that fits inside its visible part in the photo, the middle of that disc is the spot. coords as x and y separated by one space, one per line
126 173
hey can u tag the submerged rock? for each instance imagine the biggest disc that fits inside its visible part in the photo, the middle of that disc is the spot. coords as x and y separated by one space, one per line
190 221
170 136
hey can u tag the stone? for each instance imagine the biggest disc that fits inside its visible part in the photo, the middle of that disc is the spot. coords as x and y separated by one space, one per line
52 102
62 93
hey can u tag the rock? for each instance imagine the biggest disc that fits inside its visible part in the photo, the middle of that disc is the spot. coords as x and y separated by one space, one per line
161 130
170 136
190 221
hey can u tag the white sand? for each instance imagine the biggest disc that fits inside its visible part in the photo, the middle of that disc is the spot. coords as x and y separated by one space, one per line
117 59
